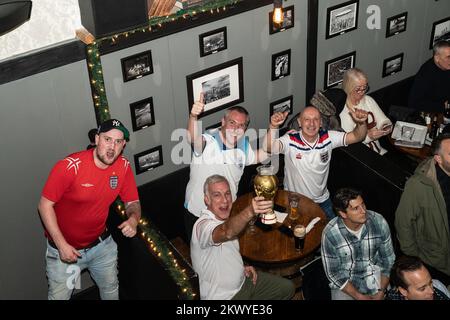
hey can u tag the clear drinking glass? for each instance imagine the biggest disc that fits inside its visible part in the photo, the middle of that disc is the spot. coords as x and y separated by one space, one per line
294 200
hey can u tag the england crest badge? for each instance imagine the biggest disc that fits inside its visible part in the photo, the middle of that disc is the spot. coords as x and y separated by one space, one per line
113 182
324 156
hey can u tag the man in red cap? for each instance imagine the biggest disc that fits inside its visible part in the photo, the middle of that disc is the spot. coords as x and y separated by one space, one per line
74 207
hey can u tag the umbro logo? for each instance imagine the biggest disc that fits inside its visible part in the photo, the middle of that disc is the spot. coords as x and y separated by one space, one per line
87 185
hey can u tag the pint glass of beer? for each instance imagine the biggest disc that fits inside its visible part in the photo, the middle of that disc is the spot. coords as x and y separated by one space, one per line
299 236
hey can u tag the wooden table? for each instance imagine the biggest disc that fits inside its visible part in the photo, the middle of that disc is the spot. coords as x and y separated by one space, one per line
273 250
418 154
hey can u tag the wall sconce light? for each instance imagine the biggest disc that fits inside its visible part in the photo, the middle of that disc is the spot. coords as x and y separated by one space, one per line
278 11
13 14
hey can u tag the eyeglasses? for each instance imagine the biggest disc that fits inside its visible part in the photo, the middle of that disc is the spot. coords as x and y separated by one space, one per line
361 89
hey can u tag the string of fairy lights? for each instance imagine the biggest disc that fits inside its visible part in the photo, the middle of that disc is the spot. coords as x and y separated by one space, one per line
157 245
93 55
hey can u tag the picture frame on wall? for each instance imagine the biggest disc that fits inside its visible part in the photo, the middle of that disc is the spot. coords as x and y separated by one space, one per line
137 66
148 160
288 21
281 64
142 114
222 86
213 41
440 31
396 24
342 18
282 105
335 69
393 65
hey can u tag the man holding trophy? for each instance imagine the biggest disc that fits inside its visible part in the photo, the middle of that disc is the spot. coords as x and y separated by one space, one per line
308 153
215 249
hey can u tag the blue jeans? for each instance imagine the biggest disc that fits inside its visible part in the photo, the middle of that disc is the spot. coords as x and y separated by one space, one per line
327 207
101 261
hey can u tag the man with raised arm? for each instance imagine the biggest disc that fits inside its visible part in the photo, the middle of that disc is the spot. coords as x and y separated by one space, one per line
308 153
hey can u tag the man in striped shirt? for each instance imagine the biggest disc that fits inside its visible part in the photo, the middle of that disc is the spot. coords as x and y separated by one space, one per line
308 153
357 251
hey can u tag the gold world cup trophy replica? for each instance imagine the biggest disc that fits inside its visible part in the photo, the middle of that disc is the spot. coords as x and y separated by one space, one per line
266 185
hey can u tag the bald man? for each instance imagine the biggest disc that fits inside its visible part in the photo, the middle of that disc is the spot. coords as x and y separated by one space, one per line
308 153
430 91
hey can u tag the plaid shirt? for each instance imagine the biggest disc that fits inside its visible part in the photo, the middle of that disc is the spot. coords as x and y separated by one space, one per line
345 258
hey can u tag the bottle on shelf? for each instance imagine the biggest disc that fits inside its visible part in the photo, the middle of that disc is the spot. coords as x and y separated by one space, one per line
428 121
434 128
447 114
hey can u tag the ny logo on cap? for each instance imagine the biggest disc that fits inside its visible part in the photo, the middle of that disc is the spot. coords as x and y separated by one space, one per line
116 123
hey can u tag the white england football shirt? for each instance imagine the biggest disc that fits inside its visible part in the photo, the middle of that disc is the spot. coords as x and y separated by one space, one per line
216 159
219 265
307 165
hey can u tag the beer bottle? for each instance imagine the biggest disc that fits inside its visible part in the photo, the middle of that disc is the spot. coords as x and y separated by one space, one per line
428 122
434 128
447 114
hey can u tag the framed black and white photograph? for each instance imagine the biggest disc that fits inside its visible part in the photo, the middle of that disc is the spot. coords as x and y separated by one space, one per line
213 41
335 69
393 65
342 18
396 24
288 21
142 114
281 64
148 160
222 86
137 66
440 31
282 105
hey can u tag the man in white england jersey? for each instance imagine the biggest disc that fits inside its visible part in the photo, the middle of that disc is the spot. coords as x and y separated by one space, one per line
308 154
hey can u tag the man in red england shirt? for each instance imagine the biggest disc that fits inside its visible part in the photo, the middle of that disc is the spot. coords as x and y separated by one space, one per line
74 207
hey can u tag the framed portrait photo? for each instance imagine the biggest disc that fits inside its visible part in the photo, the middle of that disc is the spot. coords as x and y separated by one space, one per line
148 160
288 21
222 86
396 24
342 18
393 65
142 114
213 41
137 66
282 105
440 31
281 64
335 69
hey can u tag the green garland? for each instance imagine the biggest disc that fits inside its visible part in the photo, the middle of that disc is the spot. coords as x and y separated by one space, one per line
158 245
97 83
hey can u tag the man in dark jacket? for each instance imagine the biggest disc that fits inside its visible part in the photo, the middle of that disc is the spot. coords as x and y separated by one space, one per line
422 217
430 91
